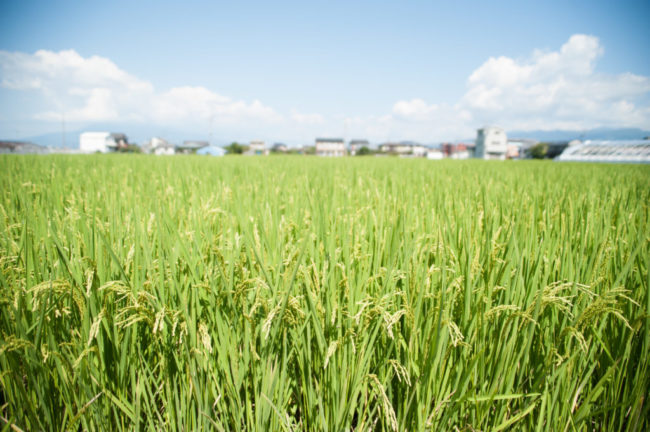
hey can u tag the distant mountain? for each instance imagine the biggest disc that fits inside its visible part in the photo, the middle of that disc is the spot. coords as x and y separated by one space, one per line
56 139
592 134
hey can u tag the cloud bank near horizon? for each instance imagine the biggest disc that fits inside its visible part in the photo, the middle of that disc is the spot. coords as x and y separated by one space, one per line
548 90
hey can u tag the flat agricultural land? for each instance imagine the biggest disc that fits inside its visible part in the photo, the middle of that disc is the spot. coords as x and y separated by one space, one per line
299 293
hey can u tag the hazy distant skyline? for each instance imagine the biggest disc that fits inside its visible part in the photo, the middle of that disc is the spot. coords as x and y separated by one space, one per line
294 71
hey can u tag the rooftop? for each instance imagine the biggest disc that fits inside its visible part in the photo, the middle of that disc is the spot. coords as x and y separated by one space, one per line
193 144
623 151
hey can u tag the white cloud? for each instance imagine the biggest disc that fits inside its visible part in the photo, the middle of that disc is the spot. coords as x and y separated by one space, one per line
415 109
550 90
50 70
547 90
556 89
99 106
95 89
201 103
307 119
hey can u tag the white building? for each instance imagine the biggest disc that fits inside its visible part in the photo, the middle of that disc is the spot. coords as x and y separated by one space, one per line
491 143
435 154
619 151
330 147
158 146
101 142
404 149
257 148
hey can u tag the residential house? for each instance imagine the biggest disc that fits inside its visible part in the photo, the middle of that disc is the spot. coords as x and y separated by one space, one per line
102 142
257 148
279 148
158 146
356 145
21 147
455 150
330 147
435 154
404 149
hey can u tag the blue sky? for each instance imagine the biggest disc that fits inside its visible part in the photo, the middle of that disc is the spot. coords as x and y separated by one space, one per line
293 70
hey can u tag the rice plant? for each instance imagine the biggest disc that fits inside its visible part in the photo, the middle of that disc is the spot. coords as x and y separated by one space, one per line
295 293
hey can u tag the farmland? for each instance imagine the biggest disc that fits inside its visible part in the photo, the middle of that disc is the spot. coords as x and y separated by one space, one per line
297 293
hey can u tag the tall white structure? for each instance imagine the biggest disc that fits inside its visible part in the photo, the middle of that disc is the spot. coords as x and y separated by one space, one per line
330 147
491 143
102 142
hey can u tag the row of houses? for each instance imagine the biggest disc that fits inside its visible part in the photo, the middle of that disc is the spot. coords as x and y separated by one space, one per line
335 147
491 143
160 146
110 142
21 147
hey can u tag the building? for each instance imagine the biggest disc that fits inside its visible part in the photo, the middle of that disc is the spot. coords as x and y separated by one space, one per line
404 149
513 151
330 147
491 143
257 148
619 151
102 142
435 154
279 148
158 146
190 146
356 145
455 150
21 147
519 148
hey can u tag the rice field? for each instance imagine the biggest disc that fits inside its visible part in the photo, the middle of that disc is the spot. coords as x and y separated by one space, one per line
308 294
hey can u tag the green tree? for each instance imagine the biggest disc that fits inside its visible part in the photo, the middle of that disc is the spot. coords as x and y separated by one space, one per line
130 148
235 148
539 150
364 151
